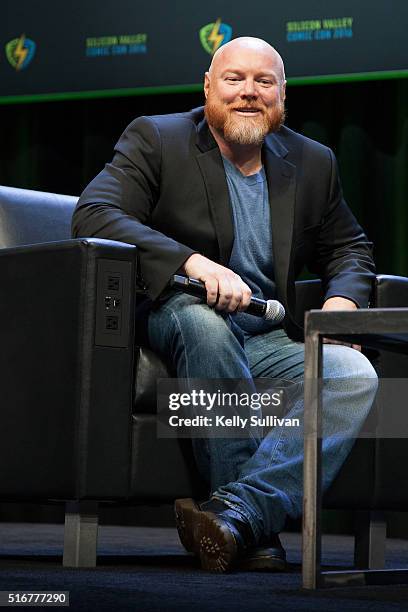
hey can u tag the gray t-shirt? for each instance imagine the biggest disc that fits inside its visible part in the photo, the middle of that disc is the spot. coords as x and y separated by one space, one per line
251 255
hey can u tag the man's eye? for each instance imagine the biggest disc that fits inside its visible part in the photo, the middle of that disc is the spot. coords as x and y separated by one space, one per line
233 79
265 82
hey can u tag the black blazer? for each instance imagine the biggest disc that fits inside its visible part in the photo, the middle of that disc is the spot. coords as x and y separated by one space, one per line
166 192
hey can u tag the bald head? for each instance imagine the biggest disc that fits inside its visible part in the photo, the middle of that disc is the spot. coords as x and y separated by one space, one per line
246 45
245 92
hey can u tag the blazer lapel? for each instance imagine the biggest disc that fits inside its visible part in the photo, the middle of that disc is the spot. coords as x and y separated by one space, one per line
281 177
212 170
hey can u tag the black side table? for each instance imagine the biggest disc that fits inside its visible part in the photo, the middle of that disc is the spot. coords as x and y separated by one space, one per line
385 328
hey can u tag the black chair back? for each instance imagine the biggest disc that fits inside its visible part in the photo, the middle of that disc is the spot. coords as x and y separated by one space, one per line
32 217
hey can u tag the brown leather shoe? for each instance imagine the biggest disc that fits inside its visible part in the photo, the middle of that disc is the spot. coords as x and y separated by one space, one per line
222 540
270 558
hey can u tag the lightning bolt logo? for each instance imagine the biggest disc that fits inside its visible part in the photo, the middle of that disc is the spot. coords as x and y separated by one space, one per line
20 52
213 35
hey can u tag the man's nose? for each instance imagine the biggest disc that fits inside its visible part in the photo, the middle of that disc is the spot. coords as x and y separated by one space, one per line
249 89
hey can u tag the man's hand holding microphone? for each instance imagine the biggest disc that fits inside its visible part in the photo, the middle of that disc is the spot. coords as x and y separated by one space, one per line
224 290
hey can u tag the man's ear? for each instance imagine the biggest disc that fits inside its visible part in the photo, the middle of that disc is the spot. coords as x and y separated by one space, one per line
206 83
284 90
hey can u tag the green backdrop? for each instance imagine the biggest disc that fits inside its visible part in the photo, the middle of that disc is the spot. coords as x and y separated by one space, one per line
60 146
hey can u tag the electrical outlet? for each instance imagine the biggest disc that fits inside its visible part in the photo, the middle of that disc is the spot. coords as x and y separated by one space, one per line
113 298
112 323
113 283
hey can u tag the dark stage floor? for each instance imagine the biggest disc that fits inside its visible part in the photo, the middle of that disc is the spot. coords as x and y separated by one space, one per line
146 569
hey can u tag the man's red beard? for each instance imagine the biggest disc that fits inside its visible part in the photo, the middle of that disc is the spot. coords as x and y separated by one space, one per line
243 130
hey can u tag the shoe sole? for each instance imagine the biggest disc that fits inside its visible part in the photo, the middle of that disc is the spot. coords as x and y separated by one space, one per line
185 511
216 544
200 533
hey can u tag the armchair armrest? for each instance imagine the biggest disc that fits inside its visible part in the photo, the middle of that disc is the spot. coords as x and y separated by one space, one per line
309 295
66 369
390 291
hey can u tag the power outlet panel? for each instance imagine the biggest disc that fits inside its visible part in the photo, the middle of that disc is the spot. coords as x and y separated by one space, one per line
113 303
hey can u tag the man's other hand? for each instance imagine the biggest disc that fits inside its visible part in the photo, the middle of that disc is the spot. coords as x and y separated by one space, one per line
225 289
340 303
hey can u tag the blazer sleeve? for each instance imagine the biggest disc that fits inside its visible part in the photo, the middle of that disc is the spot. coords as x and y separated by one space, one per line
118 203
343 255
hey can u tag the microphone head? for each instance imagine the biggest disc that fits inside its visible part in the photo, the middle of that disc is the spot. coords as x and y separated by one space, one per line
274 311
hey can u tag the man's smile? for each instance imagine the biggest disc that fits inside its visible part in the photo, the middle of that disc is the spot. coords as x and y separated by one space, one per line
247 111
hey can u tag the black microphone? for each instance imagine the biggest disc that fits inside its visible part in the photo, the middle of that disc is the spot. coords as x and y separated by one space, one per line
270 310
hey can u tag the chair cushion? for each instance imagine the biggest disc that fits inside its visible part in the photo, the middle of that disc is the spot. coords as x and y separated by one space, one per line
162 468
149 367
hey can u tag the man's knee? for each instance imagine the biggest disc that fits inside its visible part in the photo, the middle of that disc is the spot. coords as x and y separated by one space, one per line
343 361
350 371
187 318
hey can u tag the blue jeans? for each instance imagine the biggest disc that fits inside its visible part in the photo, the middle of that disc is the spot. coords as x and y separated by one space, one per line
262 478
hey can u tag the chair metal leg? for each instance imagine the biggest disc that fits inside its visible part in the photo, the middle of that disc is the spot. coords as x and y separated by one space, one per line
80 534
370 538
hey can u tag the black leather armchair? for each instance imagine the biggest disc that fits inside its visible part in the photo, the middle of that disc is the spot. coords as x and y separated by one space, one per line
77 422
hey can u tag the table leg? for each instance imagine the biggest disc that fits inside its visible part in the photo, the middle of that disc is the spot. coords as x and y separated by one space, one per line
311 534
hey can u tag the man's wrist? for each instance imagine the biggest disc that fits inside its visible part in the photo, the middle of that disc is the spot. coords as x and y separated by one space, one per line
339 302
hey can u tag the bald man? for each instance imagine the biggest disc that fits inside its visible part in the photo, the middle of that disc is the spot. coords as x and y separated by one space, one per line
229 195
